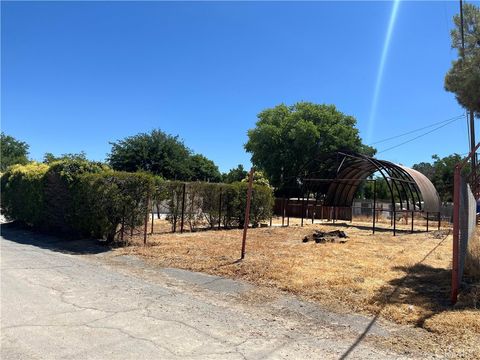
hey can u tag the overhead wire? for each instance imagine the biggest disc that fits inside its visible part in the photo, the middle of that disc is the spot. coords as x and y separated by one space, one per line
417 137
458 117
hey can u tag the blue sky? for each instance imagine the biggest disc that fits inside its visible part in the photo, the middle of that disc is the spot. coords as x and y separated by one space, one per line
78 75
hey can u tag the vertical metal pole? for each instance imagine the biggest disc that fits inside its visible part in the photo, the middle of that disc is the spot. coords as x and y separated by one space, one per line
183 208
412 220
247 212
374 204
220 210
439 220
456 228
427 221
314 210
394 221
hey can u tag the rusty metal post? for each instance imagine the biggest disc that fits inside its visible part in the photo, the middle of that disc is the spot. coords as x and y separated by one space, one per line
456 230
439 220
183 208
220 210
374 204
247 212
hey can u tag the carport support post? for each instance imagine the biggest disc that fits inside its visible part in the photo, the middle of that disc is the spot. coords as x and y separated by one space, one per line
247 212
412 219
183 208
394 221
374 204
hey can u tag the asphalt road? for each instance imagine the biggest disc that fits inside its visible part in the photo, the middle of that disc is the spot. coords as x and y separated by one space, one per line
72 301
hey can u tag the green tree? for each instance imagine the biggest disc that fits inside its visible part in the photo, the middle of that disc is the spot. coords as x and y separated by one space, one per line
235 174
203 169
440 173
49 158
13 151
463 78
161 154
291 141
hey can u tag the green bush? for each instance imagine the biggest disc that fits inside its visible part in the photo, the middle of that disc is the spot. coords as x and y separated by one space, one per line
59 181
107 200
22 193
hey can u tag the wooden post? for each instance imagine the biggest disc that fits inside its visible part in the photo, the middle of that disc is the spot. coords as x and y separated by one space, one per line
247 212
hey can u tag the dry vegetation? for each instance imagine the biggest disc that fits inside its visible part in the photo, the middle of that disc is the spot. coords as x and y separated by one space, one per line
405 279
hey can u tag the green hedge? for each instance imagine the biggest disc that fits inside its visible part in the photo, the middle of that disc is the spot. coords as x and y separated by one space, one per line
73 197
22 193
82 198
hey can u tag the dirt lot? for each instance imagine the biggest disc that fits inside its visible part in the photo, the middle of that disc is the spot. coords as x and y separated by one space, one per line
405 279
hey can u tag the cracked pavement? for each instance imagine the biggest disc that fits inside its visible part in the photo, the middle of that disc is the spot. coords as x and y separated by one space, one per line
58 302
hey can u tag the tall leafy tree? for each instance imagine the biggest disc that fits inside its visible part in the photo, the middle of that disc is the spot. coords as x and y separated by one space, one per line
235 174
161 154
440 172
463 78
203 169
291 141
13 151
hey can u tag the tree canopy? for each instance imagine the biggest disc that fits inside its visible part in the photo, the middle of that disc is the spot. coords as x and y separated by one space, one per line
161 154
13 151
440 172
235 174
288 139
463 78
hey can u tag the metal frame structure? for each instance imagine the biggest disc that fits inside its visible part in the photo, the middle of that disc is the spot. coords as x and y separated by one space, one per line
412 190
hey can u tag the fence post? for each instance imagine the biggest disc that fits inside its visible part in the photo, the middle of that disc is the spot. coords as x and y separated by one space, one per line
183 208
247 213
374 204
456 219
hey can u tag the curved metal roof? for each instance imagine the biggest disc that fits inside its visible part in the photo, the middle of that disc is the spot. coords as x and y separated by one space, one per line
408 187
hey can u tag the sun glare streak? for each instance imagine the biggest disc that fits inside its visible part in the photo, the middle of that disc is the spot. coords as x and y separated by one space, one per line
383 59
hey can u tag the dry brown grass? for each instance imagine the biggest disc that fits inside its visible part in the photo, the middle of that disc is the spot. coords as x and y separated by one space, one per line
405 279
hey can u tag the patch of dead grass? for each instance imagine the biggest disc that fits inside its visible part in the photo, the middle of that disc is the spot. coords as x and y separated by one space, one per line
405 279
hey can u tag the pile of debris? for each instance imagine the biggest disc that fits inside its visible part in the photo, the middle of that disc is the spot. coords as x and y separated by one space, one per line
321 237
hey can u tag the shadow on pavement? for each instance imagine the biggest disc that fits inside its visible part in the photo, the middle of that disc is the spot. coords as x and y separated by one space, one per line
17 234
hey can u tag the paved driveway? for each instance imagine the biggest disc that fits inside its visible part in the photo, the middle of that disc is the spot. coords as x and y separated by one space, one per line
75 301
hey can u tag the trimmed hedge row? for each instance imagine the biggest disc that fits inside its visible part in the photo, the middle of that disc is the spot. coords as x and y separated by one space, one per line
75 197
82 198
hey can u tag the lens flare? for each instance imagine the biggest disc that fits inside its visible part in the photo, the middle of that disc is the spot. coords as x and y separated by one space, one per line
383 59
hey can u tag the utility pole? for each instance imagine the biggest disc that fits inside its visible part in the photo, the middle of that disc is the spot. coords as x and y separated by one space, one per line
472 123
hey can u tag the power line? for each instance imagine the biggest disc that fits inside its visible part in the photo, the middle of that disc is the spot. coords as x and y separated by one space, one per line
419 129
416 137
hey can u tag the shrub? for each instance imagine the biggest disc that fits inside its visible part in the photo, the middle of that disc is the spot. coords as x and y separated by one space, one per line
22 193
60 179
109 199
